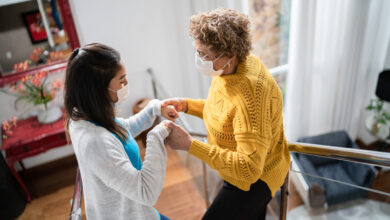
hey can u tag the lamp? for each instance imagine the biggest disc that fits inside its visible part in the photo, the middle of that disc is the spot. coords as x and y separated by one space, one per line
377 123
383 86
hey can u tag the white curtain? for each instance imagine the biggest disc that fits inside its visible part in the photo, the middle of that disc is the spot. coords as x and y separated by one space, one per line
337 48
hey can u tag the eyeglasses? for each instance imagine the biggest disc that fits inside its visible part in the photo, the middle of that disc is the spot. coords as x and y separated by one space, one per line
203 56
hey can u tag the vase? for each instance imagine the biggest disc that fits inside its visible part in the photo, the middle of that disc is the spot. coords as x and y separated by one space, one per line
50 114
376 128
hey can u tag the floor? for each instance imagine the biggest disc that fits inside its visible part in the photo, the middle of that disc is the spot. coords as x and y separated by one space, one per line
362 209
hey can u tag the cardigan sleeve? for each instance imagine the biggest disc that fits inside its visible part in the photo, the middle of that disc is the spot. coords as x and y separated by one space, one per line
143 119
253 136
104 158
195 107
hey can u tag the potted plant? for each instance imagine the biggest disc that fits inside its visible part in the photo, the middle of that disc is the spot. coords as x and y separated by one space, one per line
36 90
377 123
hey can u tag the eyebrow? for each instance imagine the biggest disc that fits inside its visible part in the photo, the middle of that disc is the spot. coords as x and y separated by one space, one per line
123 76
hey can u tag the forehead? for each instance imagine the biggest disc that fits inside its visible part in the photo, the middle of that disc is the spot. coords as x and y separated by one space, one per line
122 70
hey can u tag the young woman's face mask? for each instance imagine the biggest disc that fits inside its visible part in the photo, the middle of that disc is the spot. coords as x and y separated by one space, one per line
122 93
207 66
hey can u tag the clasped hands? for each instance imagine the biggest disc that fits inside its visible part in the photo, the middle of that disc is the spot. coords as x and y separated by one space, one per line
178 139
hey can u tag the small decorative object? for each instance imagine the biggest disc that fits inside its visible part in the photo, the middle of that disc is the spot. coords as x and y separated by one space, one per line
7 127
377 123
34 25
34 89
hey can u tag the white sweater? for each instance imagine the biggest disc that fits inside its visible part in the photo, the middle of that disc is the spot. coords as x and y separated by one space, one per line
113 188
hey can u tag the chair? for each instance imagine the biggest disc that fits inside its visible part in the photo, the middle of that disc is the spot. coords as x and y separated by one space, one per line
321 193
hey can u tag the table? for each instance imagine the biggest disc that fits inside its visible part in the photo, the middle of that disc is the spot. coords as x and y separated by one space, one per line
381 133
30 138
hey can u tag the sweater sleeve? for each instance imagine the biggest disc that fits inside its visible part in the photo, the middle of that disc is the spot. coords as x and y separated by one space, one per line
195 107
143 119
107 161
247 162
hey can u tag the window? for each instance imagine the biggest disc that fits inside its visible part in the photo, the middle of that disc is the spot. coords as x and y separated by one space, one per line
270 21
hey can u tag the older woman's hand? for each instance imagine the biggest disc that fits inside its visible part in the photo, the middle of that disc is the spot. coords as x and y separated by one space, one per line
169 112
179 139
180 104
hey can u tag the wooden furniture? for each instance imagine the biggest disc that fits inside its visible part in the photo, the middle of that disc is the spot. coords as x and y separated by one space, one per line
31 138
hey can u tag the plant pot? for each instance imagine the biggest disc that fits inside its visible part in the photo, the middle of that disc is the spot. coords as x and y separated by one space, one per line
376 128
49 115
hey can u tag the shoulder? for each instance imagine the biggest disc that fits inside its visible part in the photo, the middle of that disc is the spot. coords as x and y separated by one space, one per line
85 135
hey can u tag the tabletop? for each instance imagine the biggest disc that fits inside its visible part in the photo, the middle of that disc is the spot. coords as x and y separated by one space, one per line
30 130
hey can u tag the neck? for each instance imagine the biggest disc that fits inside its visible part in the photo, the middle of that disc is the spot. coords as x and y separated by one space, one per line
232 68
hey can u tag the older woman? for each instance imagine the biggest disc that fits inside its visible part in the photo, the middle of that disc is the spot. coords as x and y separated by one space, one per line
242 114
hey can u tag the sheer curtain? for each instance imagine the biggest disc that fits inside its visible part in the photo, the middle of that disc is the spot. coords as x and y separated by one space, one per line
337 48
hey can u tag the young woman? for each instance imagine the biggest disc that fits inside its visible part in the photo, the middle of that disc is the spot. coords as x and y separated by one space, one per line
117 185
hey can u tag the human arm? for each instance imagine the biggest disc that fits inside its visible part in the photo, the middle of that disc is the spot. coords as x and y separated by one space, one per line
190 106
107 160
244 158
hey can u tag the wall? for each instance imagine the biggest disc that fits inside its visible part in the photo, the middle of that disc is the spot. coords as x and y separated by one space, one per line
387 62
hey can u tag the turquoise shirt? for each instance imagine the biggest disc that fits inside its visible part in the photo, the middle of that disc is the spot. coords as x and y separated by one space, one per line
132 151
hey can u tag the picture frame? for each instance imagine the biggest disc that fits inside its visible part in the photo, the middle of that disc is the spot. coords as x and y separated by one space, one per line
34 25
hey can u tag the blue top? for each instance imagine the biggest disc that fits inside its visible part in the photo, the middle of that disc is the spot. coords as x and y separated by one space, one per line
132 151
131 148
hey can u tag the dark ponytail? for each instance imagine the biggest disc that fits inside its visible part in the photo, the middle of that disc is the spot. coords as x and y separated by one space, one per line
89 72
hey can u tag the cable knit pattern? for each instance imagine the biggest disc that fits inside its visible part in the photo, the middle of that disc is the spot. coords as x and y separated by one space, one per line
243 118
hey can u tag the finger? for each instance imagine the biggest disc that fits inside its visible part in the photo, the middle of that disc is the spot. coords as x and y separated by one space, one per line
169 102
172 115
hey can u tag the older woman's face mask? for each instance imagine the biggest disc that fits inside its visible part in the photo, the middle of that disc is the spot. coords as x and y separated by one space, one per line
207 66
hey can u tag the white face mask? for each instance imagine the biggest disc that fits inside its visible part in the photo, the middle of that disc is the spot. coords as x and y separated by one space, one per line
121 93
207 67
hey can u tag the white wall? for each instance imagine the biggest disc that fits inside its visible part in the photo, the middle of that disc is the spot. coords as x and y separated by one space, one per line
387 62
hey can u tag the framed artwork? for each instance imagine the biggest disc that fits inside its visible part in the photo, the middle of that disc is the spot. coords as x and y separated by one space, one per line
34 25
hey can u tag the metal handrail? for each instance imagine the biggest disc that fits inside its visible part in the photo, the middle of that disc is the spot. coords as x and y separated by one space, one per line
75 211
342 153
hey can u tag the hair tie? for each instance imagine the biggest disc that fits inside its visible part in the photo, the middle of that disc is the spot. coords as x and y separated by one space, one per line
76 51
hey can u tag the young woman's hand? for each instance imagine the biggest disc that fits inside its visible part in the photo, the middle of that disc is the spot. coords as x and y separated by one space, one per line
168 125
179 139
180 104
169 112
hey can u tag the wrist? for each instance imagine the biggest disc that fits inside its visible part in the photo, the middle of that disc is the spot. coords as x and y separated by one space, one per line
190 139
185 106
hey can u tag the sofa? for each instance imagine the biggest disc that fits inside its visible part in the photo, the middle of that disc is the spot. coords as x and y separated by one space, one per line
319 193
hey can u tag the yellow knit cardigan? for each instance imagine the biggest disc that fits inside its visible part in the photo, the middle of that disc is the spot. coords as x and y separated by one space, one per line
243 118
